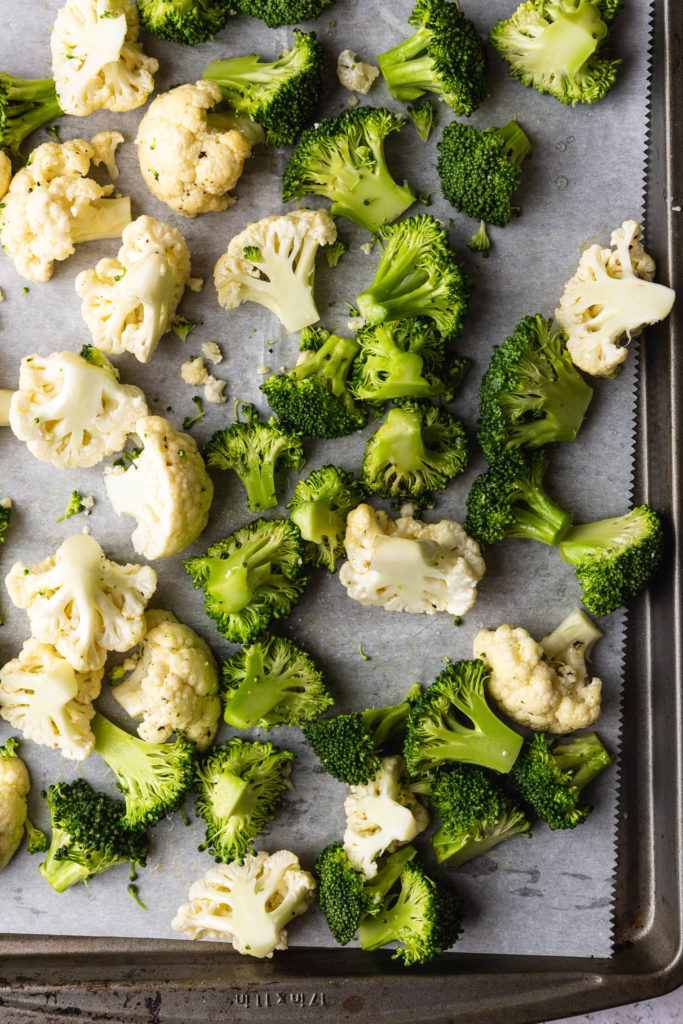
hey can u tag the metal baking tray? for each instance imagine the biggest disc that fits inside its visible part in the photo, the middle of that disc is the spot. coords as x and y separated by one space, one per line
46 979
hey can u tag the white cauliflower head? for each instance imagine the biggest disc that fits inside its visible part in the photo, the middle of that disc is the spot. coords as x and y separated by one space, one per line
173 684
52 204
51 702
408 565
166 488
130 301
72 412
611 297
96 59
355 74
272 262
187 158
14 787
381 816
5 173
104 146
82 603
248 904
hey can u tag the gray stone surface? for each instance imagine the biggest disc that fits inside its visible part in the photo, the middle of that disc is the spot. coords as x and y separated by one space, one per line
665 1010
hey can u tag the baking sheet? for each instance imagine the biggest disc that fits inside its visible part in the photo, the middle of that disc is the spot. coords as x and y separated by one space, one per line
562 882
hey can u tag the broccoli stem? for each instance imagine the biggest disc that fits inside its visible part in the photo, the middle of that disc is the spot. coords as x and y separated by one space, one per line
387 925
317 522
401 442
385 723
516 144
408 68
583 541
565 401
62 874
389 873
542 520
259 482
231 796
567 43
398 291
26 104
331 363
584 756
455 852
369 195
233 581
493 749
254 697
237 74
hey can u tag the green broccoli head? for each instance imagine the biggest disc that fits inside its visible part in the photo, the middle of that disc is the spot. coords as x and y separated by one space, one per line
480 241
10 748
417 276
25 105
445 56
342 158
36 840
239 788
561 47
320 508
531 394
188 22
282 12
422 115
399 359
480 169
251 577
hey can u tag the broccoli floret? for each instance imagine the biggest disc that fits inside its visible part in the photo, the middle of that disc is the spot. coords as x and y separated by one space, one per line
508 500
5 520
480 169
314 397
399 359
548 776
36 840
422 115
532 393
26 104
272 682
239 787
254 450
182 327
153 777
445 56
9 748
184 21
334 252
477 814
451 721
90 834
417 276
480 241
615 558
419 448
320 508
281 95
282 12
74 507
251 577
349 746
561 47
342 158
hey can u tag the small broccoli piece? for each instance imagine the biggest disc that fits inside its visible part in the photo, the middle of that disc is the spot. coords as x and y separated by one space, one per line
451 721
342 158
182 327
349 746
480 169
239 787
254 450
419 448
188 22
9 748
314 397
549 777
508 500
74 507
422 115
25 105
282 12
615 558
281 95
5 520
480 241
561 47
273 682
89 835
251 577
320 507
190 421
399 359
95 357
445 56
417 276
334 252
531 394
154 777
477 814
36 840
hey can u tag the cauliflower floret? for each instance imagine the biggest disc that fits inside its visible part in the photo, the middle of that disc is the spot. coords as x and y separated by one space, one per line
354 74
187 160
167 489
173 684
194 372
51 205
248 904
612 295
409 566
212 352
213 390
81 603
272 262
96 59
104 146
129 302
71 412
14 787
5 173
41 694
381 816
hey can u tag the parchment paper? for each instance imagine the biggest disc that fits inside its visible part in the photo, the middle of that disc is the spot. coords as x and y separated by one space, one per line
550 895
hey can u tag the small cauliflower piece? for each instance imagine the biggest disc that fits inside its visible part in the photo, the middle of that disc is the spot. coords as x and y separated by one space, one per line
173 683
609 300
166 488
82 603
97 62
190 160
381 816
212 352
355 74
51 702
248 904
71 412
213 390
52 205
104 146
194 372
14 787
130 301
408 565
5 173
